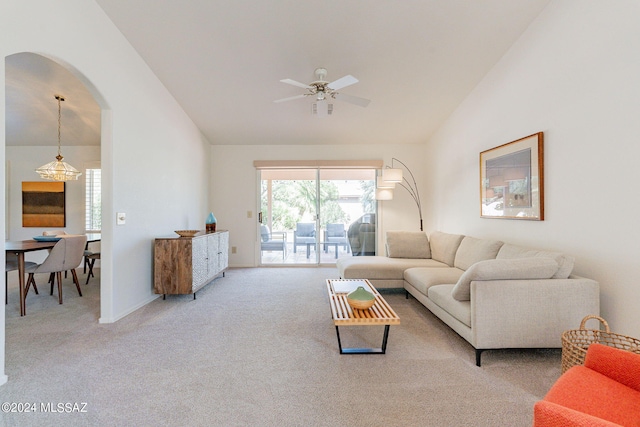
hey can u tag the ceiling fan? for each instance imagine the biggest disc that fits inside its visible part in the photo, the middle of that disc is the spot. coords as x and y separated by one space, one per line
322 90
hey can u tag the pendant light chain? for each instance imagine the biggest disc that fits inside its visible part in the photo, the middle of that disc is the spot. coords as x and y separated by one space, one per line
59 98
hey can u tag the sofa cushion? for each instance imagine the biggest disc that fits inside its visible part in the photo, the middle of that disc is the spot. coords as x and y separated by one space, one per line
444 246
441 295
565 262
380 267
503 269
423 278
472 250
408 244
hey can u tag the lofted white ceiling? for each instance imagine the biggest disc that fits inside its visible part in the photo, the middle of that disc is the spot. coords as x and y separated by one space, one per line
223 60
31 83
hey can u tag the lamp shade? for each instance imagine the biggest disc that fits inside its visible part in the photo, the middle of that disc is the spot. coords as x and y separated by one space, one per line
384 194
384 184
392 175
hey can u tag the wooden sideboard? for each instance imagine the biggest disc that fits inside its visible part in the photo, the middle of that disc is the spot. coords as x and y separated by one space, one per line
182 265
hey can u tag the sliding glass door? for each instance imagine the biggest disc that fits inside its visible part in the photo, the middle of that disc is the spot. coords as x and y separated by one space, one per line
307 215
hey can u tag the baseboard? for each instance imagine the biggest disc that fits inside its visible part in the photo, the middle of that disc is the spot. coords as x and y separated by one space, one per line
131 310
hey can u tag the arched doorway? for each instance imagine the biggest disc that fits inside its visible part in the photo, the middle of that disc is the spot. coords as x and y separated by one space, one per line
31 81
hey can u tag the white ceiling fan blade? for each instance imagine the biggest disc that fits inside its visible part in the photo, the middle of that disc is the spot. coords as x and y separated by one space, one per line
352 99
295 83
291 98
342 82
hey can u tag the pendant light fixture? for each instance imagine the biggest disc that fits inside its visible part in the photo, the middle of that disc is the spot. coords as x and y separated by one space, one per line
58 170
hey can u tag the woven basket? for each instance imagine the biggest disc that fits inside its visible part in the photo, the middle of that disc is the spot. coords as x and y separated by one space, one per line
575 342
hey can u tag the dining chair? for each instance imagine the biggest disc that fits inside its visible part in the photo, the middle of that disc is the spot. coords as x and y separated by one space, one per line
11 263
65 255
92 257
54 233
91 248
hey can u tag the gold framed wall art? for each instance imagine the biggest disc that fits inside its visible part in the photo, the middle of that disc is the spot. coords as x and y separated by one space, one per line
43 204
512 180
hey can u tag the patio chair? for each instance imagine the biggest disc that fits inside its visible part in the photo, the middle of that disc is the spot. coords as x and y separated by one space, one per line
305 235
273 241
362 236
336 233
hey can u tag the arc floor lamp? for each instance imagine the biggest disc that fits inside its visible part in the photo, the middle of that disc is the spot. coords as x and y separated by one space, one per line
391 176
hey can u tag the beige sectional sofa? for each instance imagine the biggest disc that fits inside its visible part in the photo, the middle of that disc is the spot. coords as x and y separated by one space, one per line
493 294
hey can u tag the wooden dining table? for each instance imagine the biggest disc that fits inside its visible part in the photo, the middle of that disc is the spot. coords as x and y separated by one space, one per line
20 247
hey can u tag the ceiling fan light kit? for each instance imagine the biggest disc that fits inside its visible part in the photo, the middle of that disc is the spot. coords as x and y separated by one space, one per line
322 90
321 109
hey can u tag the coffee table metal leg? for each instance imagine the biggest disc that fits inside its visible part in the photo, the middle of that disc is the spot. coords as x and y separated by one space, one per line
381 350
339 343
384 338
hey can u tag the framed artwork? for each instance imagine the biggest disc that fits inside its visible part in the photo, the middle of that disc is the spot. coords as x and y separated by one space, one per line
511 180
43 204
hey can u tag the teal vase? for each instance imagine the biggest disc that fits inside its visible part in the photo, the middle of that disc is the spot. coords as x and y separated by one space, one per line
211 223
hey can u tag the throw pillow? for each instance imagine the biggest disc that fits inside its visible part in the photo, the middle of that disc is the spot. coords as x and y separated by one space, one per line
444 246
503 269
264 233
408 244
472 250
565 262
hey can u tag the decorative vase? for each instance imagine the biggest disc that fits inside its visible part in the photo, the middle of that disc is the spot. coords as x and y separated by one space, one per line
211 223
361 299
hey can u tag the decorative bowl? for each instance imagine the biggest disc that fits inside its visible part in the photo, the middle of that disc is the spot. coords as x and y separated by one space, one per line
46 238
187 233
361 299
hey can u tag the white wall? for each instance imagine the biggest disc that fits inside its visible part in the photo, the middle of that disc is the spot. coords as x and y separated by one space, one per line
234 187
574 76
154 160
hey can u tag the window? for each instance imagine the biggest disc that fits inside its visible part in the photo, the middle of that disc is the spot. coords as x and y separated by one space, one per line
93 201
316 212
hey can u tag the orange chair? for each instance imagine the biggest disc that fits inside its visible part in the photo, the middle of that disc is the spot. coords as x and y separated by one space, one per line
603 392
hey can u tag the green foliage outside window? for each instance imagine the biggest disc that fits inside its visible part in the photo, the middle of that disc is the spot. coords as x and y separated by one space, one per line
295 201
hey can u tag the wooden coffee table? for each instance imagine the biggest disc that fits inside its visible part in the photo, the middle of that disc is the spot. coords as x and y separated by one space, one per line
343 315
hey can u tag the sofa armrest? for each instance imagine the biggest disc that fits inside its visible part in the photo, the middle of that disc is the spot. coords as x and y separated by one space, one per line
529 313
619 365
549 414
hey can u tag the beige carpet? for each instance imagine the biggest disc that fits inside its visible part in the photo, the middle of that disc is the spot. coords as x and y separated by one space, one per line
257 348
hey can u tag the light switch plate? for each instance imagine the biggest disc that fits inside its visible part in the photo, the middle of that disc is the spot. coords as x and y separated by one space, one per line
121 218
